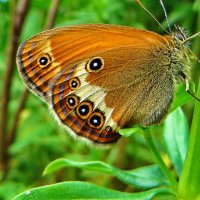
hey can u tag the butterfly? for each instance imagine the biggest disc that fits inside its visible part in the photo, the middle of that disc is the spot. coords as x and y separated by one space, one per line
97 79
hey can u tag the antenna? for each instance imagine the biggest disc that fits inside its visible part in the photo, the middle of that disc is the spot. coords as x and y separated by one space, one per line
166 17
189 50
141 5
191 37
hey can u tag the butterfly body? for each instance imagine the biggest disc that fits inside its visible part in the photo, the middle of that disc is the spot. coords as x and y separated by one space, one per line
98 78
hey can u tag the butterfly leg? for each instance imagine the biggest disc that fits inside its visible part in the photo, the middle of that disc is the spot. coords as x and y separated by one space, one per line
187 88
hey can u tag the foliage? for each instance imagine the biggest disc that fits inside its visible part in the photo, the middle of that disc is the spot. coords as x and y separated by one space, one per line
127 168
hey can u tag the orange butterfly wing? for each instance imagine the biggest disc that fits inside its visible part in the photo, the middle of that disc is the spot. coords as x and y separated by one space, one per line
107 95
70 45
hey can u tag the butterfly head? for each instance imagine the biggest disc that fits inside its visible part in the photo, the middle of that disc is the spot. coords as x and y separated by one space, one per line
180 35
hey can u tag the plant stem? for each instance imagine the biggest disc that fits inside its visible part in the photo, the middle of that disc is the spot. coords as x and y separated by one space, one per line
18 16
189 184
52 14
160 161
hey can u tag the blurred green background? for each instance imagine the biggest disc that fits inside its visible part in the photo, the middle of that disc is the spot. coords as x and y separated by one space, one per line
38 140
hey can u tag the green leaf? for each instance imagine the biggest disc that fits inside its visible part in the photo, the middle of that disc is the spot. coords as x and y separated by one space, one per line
196 6
176 138
93 165
144 177
83 190
126 132
181 96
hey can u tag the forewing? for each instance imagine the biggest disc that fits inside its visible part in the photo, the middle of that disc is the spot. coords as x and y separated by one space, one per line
64 46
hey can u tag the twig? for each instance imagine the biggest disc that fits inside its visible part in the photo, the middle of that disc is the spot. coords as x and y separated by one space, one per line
12 133
51 18
52 14
18 19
